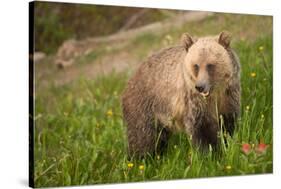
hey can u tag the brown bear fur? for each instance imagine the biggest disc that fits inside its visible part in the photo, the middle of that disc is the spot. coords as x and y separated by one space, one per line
161 97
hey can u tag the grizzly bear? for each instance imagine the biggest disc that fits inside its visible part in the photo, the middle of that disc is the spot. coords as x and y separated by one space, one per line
190 88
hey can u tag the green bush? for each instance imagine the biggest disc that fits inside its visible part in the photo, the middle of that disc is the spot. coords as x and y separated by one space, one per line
56 22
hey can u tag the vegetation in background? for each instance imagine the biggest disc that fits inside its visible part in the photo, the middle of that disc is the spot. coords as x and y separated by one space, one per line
57 22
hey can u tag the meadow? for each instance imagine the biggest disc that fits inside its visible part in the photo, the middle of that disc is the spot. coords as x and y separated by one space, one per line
80 137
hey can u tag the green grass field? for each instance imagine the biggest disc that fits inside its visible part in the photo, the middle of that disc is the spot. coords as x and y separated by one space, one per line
80 137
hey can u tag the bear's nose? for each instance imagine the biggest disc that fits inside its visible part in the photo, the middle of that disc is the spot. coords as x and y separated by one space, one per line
200 88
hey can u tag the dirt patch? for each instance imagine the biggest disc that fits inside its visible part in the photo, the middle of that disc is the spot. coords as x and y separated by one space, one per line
111 63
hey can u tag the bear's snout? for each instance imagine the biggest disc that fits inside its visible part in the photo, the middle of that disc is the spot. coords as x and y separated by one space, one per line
200 88
203 89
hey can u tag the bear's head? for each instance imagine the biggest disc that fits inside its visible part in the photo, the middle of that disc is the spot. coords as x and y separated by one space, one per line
207 62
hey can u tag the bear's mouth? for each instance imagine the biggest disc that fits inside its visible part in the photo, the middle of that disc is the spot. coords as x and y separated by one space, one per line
205 94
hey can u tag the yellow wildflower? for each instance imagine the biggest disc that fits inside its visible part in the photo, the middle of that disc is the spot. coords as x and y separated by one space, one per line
228 167
141 167
262 116
158 157
261 48
247 108
253 74
109 113
130 165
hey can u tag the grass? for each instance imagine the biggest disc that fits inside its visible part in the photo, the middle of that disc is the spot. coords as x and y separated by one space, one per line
80 137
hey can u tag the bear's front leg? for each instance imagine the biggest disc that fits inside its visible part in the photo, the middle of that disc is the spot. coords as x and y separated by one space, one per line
203 131
146 137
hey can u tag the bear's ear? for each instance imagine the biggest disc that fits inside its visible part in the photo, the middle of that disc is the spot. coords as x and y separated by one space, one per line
224 39
186 41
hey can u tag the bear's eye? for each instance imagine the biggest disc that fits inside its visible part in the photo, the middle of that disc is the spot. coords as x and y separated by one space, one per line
196 68
210 67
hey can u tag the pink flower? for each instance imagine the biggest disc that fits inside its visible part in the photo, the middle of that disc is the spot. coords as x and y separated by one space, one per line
261 148
246 148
